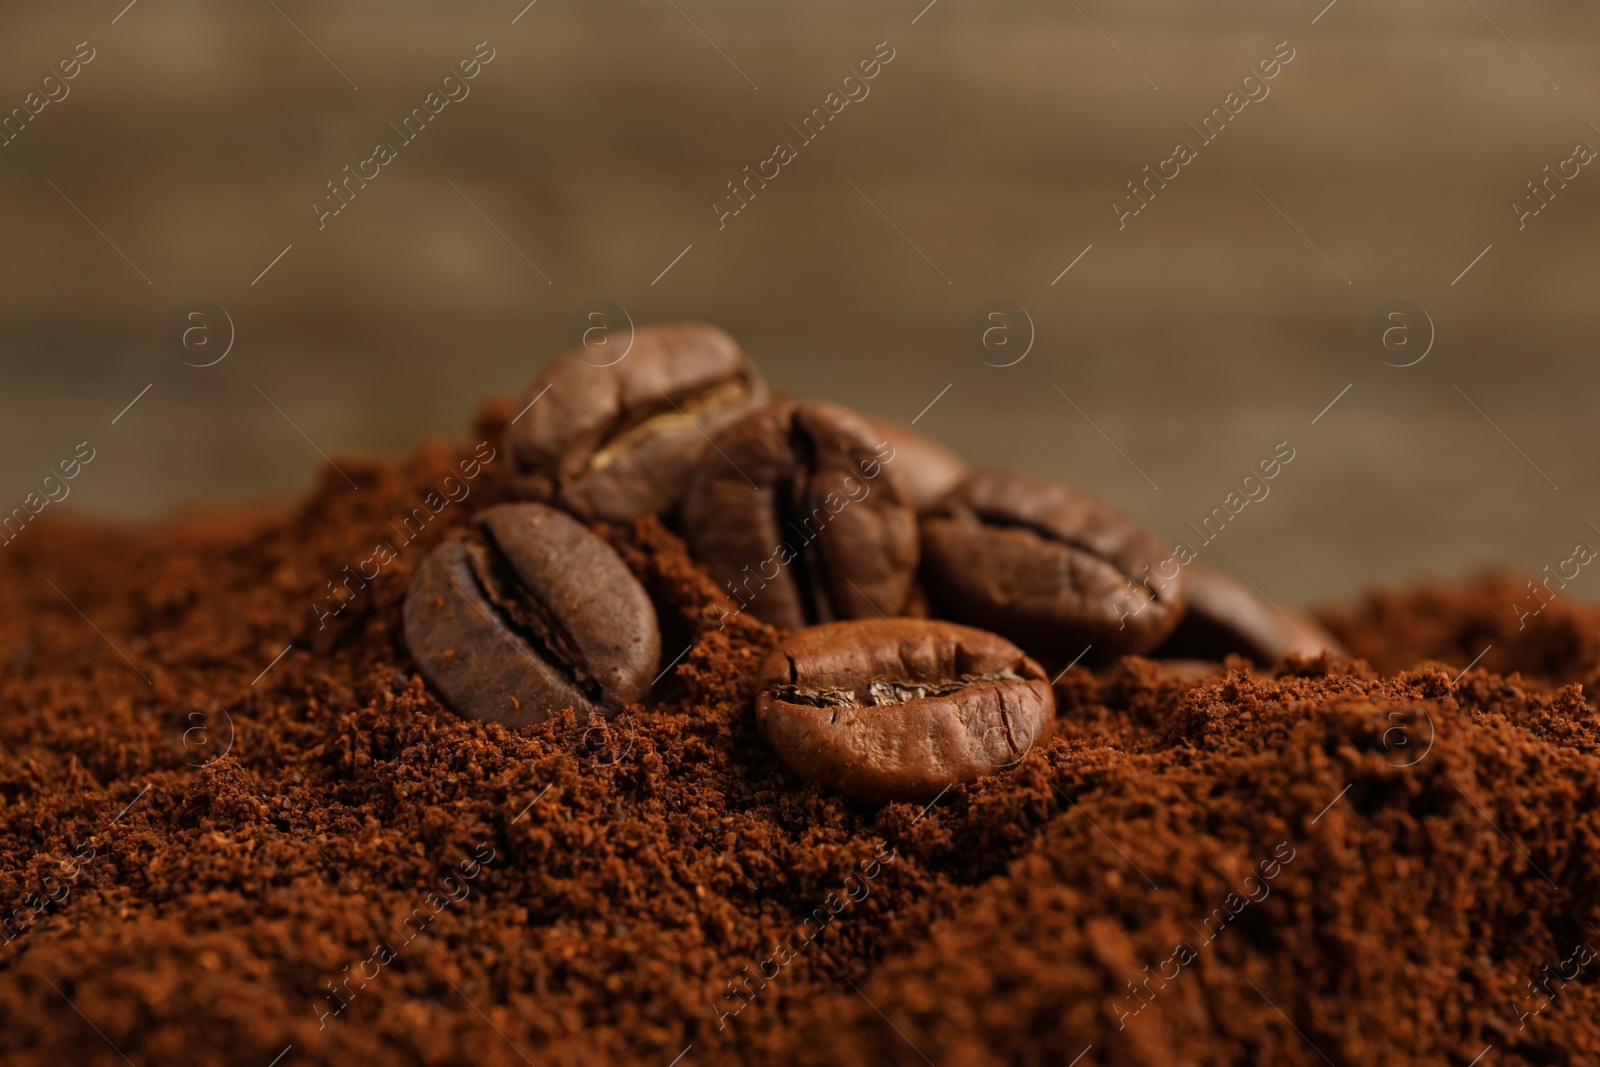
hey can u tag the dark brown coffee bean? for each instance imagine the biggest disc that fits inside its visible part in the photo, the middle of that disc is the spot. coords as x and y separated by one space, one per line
1052 569
1224 617
799 515
898 709
529 613
928 469
617 442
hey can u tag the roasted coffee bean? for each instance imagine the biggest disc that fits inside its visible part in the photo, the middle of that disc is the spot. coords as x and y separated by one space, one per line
617 442
1048 567
928 469
527 614
884 710
799 515
1224 617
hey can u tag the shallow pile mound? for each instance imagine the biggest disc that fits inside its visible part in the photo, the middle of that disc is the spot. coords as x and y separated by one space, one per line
211 852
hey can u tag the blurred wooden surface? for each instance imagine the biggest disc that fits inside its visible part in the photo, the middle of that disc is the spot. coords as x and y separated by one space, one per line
985 158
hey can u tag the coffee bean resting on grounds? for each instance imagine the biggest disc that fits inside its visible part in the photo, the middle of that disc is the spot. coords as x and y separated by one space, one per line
650 871
884 709
529 613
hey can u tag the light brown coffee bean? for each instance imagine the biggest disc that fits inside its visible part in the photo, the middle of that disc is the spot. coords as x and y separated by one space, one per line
884 710
799 514
529 613
617 442
1052 569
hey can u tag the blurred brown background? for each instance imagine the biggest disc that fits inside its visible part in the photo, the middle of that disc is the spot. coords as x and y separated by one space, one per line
984 160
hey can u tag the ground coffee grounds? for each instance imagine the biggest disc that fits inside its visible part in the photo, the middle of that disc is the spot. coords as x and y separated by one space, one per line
1344 863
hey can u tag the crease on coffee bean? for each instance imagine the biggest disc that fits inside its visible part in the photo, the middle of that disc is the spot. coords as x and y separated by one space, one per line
810 566
882 694
1001 521
529 619
648 424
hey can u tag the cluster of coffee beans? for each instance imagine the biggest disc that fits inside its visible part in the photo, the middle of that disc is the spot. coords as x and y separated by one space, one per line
843 530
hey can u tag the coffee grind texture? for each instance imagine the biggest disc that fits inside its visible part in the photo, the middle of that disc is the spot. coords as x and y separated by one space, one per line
1379 860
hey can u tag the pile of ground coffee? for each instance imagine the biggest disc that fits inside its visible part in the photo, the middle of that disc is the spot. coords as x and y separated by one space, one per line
216 854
